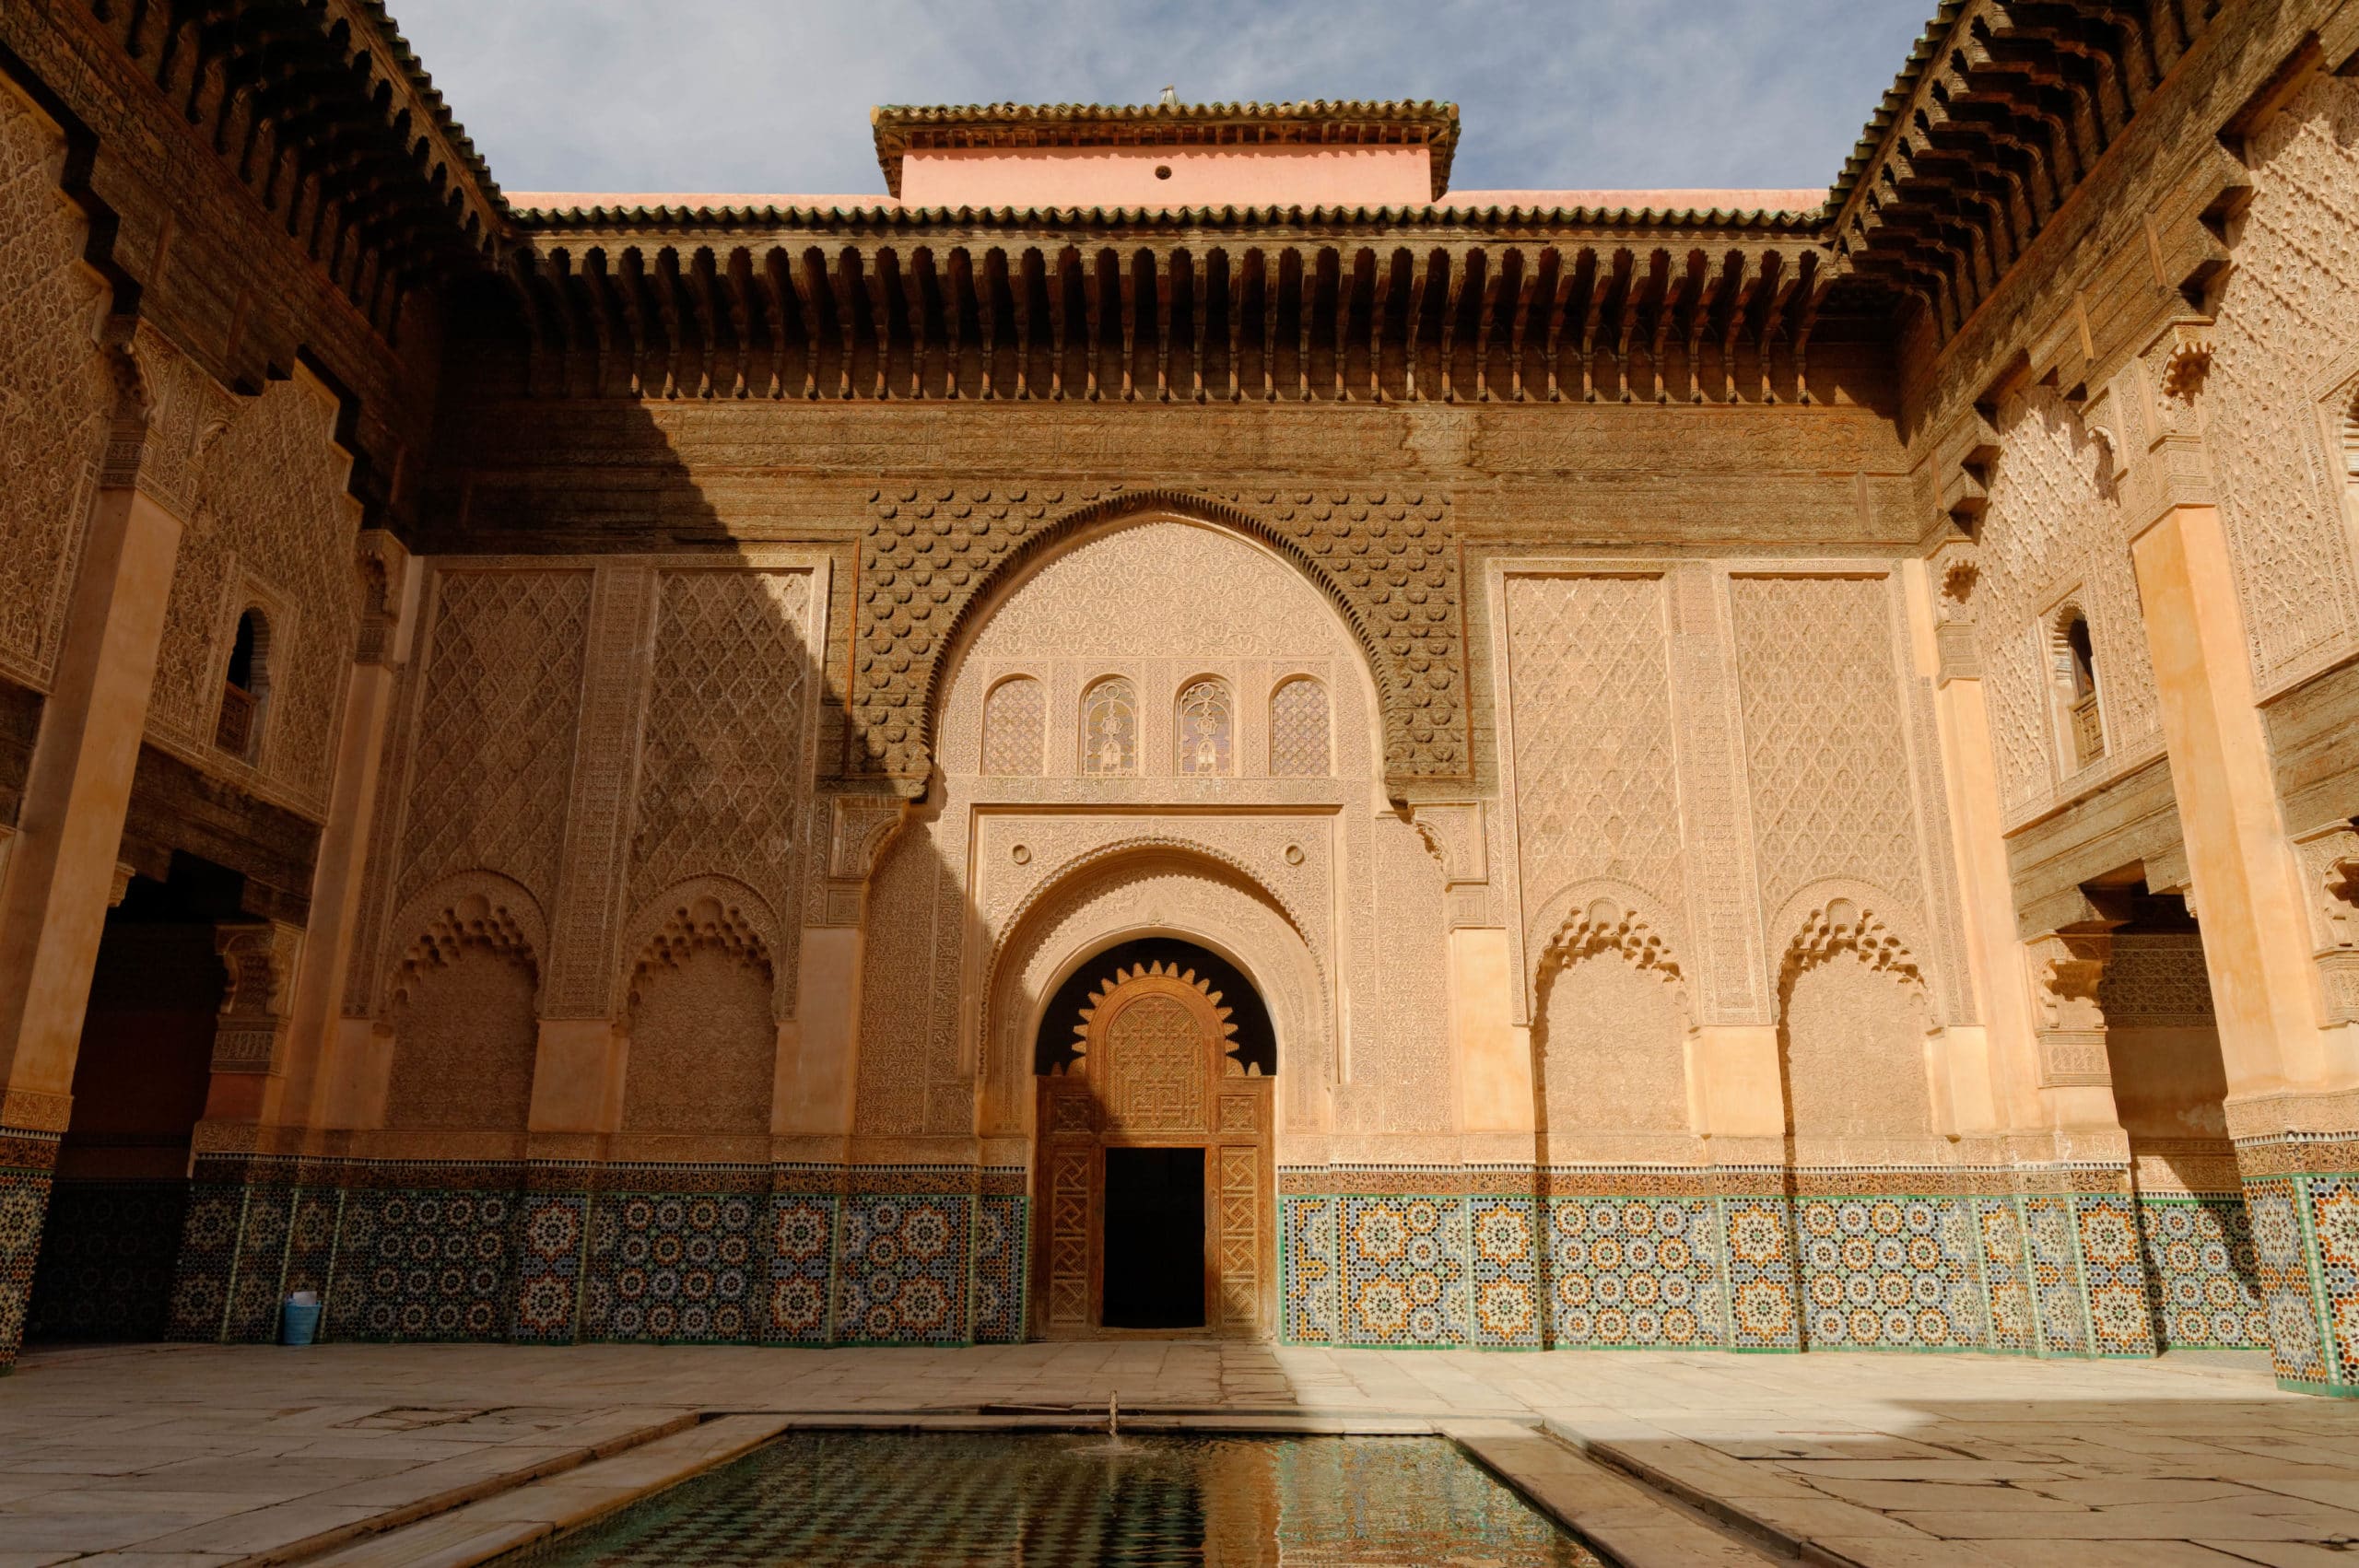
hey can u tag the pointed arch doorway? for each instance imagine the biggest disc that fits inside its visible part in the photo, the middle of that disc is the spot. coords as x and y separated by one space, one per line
1152 1168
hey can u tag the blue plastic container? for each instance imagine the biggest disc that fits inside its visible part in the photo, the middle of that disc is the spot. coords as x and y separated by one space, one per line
298 1321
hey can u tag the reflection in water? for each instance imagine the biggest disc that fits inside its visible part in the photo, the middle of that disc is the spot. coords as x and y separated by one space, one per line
939 1499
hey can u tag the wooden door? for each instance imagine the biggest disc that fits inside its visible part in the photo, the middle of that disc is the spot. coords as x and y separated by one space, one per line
1154 1070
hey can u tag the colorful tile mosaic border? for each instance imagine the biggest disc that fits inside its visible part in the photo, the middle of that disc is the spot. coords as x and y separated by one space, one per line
940 1255
108 1249
558 1254
2053 1275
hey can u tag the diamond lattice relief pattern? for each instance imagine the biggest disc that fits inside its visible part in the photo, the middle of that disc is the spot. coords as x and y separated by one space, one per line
722 772
270 505
2051 526
1821 723
2288 313
1591 696
495 751
1299 741
53 410
1015 720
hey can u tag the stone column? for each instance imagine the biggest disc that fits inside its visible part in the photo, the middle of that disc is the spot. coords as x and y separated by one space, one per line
818 1060
390 583
62 859
2293 1073
578 1073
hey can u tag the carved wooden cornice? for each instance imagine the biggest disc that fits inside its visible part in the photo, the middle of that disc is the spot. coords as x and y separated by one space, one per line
2003 108
321 108
1171 318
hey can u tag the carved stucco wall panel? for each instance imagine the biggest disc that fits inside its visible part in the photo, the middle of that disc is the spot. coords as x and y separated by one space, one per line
57 396
271 530
1593 777
703 1051
2287 326
1826 747
1386 560
494 737
1162 602
725 769
2054 533
1609 1051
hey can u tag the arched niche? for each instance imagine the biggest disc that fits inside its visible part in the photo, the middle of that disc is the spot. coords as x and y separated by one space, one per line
1162 601
1151 891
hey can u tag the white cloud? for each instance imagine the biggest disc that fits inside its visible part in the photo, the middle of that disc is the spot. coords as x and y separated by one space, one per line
760 96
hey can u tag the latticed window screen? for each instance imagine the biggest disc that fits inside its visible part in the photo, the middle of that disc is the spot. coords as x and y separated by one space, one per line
1299 730
1207 725
1016 717
1109 728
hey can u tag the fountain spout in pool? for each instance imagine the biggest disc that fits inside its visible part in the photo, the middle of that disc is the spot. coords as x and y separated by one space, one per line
1113 1415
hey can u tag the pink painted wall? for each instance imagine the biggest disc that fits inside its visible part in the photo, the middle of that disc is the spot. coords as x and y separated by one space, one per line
1125 177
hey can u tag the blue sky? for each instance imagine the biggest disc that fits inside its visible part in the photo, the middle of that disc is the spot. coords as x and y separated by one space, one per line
767 96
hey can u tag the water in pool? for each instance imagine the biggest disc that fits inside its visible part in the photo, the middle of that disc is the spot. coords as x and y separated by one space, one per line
937 1499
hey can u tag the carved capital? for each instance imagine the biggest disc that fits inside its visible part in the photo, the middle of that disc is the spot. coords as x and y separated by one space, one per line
1453 833
261 960
860 826
2329 860
2066 969
383 562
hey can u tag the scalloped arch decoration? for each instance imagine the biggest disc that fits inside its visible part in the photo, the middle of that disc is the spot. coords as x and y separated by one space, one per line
933 558
479 912
696 915
1608 924
1842 925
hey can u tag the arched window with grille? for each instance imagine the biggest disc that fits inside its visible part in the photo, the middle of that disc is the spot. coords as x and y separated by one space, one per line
2076 687
1299 741
245 688
1204 741
1109 729
1016 719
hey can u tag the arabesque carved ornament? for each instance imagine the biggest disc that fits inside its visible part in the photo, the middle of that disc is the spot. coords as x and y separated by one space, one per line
1385 558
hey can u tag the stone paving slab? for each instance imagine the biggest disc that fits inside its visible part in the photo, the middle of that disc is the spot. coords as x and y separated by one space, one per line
1922 1461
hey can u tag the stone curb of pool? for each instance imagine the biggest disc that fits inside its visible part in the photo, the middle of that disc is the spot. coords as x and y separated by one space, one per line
1789 1519
1612 1513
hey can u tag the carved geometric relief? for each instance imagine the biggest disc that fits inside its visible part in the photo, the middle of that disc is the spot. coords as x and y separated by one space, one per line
464 1024
496 728
1070 1185
724 777
55 394
2054 522
1384 559
1609 1053
1589 683
1015 717
1299 730
1241 1237
703 1048
271 527
2288 312
2156 980
1826 751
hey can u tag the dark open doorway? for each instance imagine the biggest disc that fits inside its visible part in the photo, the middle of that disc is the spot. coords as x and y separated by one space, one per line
1155 1238
116 1209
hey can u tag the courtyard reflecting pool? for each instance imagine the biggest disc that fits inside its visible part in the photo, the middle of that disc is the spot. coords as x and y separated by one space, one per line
1069 1500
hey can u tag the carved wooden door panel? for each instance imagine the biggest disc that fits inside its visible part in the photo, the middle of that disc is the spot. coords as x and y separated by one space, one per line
1154 1071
